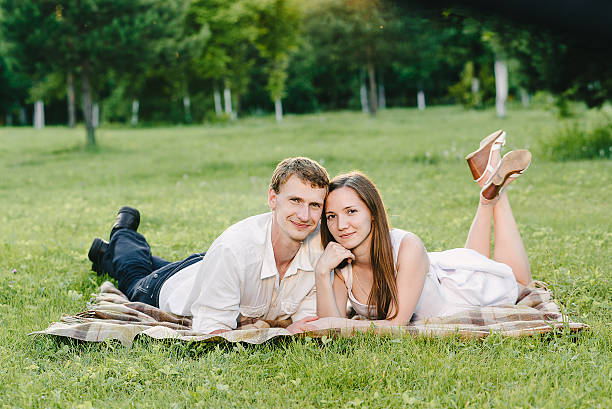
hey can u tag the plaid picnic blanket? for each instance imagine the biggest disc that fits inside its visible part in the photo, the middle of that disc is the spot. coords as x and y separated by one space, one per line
111 315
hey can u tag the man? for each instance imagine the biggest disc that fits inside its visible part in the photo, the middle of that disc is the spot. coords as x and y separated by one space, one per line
259 268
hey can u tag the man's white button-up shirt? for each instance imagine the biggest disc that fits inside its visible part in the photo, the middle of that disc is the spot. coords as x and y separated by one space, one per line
238 275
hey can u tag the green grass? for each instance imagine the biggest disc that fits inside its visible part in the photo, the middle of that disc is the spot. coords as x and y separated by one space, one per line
192 182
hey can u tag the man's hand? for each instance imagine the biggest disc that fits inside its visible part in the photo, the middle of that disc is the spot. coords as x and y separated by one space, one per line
302 326
219 331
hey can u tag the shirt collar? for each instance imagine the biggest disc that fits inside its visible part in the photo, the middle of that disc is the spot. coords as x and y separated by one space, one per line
301 261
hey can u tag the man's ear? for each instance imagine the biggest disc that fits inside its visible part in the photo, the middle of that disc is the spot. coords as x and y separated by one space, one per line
272 199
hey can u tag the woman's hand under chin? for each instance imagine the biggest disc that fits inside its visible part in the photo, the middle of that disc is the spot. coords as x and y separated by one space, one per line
333 255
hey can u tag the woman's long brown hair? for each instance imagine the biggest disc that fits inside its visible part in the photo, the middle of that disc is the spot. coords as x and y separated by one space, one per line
383 294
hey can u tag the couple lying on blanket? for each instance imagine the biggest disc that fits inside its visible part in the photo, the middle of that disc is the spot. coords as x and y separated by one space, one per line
281 268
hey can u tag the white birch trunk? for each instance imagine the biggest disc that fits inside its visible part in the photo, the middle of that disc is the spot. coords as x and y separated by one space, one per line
278 109
363 92
421 100
382 101
95 115
217 98
135 109
524 98
227 98
475 85
39 114
187 107
501 87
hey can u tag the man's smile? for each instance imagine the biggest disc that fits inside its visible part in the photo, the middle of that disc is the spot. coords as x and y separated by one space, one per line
301 225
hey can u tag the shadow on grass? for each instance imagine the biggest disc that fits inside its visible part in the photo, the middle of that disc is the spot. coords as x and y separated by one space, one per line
67 153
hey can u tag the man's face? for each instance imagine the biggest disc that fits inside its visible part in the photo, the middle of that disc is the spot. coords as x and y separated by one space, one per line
296 208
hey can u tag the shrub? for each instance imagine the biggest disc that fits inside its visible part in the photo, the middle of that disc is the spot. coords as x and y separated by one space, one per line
575 142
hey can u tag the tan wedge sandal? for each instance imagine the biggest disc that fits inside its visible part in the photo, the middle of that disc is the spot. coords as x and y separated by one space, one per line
512 165
479 161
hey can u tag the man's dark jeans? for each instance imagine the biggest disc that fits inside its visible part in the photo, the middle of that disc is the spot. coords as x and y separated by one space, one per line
140 274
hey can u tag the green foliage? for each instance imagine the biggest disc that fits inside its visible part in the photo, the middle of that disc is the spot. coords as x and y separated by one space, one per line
463 92
569 66
575 141
278 23
229 54
309 53
50 86
90 38
191 182
13 84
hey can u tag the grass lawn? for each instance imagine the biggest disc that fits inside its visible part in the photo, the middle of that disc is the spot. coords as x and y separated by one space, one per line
190 183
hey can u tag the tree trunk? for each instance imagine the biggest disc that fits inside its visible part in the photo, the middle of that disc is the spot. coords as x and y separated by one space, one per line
70 97
501 87
39 114
135 109
187 106
363 91
372 78
227 98
22 116
524 98
217 98
236 99
95 115
278 109
421 100
86 105
475 85
382 100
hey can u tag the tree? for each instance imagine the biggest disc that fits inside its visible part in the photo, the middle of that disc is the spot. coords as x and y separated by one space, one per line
13 90
564 50
278 24
571 67
87 38
228 55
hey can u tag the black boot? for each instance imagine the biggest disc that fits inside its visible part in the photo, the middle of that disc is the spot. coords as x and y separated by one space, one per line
127 218
96 252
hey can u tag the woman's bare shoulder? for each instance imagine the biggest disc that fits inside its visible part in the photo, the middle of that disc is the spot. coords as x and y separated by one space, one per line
413 249
411 241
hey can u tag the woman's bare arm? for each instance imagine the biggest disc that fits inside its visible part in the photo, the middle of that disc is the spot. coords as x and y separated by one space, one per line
331 299
412 268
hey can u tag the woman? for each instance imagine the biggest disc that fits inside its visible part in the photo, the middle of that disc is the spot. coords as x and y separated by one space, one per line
387 275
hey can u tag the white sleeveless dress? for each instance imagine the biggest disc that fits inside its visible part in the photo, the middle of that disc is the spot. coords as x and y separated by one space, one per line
458 279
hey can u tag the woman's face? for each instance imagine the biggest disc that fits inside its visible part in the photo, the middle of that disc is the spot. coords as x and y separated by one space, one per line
348 218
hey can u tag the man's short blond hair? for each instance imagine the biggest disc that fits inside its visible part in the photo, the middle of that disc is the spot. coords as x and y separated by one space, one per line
306 169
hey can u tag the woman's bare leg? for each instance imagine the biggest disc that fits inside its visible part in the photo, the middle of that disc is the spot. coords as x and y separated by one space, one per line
509 248
479 236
